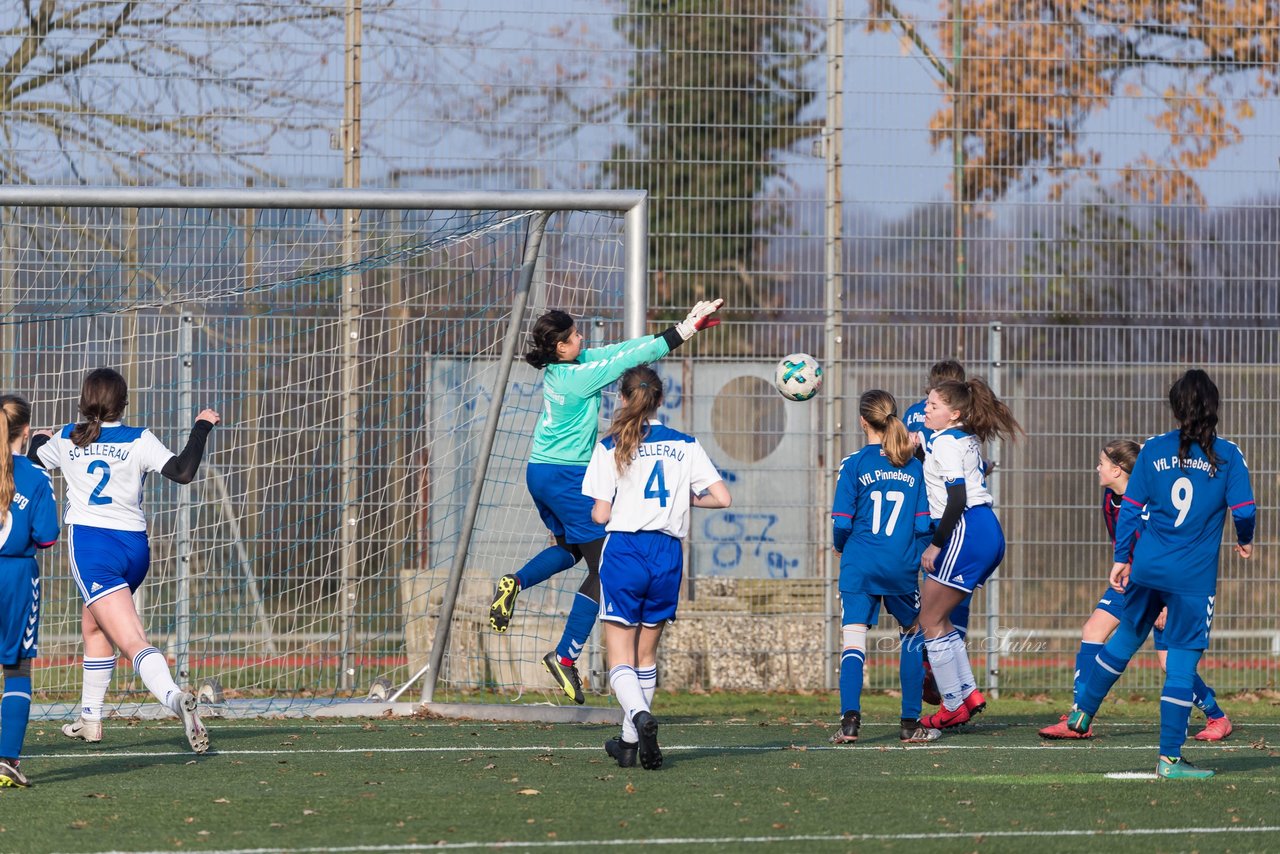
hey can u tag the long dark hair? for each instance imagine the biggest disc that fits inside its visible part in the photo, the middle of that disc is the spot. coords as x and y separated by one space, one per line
549 330
1193 397
982 413
880 410
947 369
15 414
103 396
641 392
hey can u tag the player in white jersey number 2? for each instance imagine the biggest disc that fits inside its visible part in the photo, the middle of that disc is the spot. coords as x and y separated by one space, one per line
105 463
644 477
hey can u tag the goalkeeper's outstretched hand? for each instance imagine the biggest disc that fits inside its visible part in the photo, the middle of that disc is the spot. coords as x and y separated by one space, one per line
700 317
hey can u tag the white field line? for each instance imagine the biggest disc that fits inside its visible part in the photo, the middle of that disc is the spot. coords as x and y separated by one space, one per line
548 748
747 840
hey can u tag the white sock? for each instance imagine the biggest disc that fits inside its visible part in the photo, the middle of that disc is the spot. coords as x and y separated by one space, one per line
648 677
151 665
626 688
967 681
946 670
97 679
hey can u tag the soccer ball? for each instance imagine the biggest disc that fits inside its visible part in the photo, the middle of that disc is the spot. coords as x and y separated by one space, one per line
798 377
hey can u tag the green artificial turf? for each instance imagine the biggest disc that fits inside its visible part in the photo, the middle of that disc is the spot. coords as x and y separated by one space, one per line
742 772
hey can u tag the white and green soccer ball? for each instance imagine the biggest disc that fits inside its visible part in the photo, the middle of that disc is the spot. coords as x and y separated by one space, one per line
798 376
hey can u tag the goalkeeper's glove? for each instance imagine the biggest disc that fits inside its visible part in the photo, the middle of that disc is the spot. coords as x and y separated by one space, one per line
700 317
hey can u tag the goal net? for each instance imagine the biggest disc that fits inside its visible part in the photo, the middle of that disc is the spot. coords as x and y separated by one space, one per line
353 344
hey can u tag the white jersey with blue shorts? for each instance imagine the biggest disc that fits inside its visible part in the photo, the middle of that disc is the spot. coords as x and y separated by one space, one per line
976 545
106 528
31 523
642 564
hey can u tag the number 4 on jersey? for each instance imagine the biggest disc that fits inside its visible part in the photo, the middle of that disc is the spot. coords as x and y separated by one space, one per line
655 486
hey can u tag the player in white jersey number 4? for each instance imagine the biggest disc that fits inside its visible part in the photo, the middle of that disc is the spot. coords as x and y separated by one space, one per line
643 478
104 463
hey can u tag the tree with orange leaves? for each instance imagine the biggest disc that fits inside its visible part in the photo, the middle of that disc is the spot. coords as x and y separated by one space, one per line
1030 73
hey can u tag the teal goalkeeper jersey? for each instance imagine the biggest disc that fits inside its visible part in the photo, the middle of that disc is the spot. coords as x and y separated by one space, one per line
566 432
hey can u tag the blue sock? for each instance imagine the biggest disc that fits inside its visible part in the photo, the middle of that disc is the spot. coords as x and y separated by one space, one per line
1202 695
852 663
1084 663
1110 662
1175 699
911 673
582 616
543 565
15 711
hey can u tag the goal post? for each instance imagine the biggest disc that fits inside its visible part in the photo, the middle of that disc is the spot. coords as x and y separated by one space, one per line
366 487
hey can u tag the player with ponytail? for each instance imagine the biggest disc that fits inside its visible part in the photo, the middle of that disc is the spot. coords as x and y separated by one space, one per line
643 477
1184 483
880 523
28 521
105 463
573 379
967 543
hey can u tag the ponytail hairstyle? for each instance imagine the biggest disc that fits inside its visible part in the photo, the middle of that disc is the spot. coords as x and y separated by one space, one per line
641 393
554 327
103 397
880 411
947 369
15 415
1122 453
1194 401
982 413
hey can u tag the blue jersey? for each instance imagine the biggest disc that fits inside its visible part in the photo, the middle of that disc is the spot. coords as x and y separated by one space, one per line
880 522
914 419
32 521
1186 506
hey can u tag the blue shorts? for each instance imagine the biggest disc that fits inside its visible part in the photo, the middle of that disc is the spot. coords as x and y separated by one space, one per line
973 552
103 560
640 577
19 609
557 493
1187 625
1113 603
864 608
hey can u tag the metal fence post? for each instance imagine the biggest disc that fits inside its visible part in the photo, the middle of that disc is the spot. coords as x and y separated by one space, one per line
994 332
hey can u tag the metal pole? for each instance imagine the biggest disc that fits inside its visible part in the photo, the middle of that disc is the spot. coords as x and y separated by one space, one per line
350 326
431 672
832 402
957 178
186 407
636 270
993 586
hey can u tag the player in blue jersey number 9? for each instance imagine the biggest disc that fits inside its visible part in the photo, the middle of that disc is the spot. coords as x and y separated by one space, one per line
104 463
1184 483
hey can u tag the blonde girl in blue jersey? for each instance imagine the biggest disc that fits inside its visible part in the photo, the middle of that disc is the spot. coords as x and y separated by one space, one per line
104 464
643 477
880 524
1184 483
968 542
28 521
573 379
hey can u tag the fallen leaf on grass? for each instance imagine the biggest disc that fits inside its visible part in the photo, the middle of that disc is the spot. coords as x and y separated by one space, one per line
528 792
78 824
99 795
631 790
221 801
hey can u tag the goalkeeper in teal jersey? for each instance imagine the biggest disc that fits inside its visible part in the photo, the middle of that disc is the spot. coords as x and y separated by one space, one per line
562 443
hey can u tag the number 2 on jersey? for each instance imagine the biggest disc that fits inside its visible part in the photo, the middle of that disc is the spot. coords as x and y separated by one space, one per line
655 486
896 499
96 497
